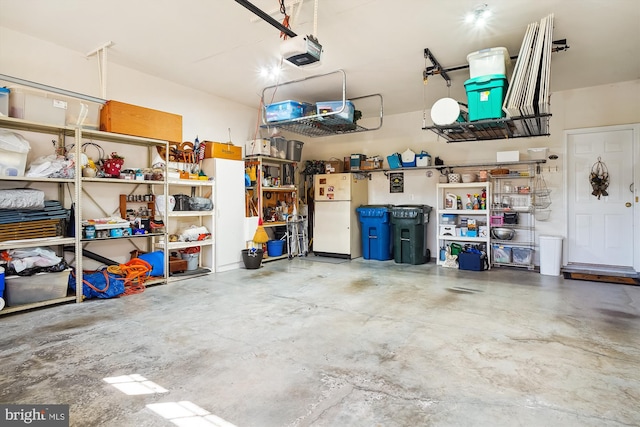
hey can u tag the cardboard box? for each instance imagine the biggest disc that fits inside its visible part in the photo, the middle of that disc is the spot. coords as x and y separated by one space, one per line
118 117
371 164
333 166
219 150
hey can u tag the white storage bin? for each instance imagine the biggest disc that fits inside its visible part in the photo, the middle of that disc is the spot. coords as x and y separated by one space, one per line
14 150
488 61
257 147
538 153
507 156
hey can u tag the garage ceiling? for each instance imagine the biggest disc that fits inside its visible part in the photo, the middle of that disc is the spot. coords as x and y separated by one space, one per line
218 46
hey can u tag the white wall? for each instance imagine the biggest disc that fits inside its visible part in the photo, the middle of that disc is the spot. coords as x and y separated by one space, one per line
206 116
588 107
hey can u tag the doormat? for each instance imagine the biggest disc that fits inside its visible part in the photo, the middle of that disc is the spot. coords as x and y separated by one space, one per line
602 278
327 260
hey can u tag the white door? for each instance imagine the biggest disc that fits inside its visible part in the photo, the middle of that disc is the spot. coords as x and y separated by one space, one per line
600 231
331 228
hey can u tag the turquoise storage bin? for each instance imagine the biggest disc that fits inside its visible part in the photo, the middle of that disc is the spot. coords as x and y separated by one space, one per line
485 95
394 161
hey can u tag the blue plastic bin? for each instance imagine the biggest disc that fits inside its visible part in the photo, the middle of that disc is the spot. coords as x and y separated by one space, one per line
275 247
377 241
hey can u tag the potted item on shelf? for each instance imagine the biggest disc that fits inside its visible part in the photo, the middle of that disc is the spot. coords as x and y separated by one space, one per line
113 165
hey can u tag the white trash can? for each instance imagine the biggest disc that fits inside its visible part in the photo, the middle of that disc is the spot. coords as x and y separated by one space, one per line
550 255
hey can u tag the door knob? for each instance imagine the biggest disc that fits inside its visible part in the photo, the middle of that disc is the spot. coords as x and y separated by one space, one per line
628 204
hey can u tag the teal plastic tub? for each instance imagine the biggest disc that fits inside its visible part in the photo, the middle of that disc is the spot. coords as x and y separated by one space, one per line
485 95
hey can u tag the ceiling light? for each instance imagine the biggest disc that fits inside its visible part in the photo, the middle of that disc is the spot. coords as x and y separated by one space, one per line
478 16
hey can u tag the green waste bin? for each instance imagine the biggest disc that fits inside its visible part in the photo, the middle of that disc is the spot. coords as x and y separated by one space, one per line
410 233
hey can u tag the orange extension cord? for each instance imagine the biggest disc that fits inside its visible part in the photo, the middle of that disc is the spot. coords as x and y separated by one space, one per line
134 273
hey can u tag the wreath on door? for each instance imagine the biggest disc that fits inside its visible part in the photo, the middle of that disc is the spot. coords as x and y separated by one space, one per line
599 179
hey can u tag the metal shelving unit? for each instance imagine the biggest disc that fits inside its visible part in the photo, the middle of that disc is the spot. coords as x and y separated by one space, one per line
507 198
505 128
325 124
80 192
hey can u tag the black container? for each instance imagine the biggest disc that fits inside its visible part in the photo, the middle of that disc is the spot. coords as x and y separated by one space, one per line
252 261
182 202
510 218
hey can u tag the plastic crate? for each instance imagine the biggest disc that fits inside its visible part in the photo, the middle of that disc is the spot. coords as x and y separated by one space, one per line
521 255
330 106
501 254
485 96
286 110
488 61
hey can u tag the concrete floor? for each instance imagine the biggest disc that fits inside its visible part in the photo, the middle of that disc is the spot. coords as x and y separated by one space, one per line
360 343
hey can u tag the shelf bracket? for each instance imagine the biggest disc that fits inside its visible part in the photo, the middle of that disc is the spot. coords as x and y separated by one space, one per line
435 68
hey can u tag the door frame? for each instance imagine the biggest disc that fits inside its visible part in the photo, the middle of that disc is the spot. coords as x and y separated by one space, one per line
635 129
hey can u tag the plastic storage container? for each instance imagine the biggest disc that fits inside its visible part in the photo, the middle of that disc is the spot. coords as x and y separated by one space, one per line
488 61
278 147
39 287
192 260
275 247
257 147
410 233
14 150
330 106
501 254
286 110
294 150
377 242
521 255
37 106
485 95
4 101
550 255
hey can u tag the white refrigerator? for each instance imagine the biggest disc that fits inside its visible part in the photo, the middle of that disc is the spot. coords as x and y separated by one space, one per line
336 228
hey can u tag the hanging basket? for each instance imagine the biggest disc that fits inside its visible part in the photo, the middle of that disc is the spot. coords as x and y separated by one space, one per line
541 195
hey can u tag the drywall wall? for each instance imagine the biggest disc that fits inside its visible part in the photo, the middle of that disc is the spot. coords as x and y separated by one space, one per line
204 115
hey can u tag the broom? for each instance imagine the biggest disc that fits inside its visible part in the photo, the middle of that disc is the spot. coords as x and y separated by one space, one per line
260 237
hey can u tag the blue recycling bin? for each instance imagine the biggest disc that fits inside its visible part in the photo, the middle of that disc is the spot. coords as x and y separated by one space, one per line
377 241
